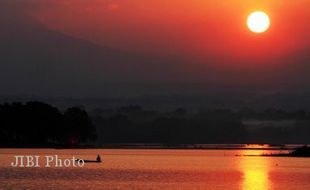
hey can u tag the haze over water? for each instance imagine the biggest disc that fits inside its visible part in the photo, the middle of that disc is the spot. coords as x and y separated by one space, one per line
159 169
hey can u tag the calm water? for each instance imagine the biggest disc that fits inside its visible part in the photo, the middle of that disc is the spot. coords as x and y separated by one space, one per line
159 169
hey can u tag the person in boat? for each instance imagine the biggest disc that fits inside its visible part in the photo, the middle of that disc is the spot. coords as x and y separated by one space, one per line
98 159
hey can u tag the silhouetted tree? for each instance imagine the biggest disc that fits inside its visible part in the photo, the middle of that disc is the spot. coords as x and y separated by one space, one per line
39 124
78 126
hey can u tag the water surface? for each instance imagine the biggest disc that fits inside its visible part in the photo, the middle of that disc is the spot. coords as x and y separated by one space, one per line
159 169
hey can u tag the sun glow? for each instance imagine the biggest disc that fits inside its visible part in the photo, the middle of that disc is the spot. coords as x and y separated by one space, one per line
255 171
258 22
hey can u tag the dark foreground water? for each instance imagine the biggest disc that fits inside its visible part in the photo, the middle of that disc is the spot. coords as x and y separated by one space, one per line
159 169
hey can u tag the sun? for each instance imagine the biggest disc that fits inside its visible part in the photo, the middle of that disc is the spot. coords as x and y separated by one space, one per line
258 22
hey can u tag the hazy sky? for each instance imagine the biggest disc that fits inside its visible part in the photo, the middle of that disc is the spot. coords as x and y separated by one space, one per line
195 27
160 41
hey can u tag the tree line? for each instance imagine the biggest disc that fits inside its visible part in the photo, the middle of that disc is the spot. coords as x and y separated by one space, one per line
39 124
132 124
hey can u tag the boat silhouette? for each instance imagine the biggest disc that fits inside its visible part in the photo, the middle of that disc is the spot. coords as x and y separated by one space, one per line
98 160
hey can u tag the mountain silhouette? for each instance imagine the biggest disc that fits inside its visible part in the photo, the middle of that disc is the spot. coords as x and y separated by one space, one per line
37 60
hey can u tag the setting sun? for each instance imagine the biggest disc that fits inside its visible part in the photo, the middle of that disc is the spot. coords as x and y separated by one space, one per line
155 94
258 22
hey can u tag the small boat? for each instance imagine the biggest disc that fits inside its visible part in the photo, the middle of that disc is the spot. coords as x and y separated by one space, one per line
89 161
98 160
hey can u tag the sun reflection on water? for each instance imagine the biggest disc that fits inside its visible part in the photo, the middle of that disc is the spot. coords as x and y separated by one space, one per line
255 172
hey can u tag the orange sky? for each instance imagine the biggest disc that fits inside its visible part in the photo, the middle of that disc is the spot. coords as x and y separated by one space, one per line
193 42
192 28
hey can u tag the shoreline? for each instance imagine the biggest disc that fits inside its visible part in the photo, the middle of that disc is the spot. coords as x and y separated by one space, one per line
176 147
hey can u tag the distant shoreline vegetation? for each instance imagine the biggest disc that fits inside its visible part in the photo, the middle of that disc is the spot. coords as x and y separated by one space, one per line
303 151
134 125
299 151
37 124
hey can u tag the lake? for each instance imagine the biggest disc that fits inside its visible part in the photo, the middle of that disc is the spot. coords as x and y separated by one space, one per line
159 169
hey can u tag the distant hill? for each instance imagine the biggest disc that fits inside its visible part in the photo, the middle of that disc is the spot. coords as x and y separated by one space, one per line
36 60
